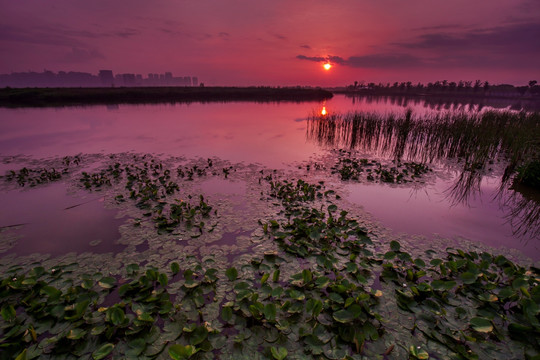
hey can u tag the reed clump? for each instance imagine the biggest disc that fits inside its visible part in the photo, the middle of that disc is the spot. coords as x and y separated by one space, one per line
476 138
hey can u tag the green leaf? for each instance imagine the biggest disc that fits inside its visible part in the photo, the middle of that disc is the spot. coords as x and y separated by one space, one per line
418 353
394 245
315 234
198 335
75 334
322 282
132 269
307 276
103 351
163 280
270 312
116 315
8 313
181 352
264 278
175 268
279 353
468 277
443 285
107 282
275 276
481 324
314 307
226 313
51 292
343 316
22 355
232 273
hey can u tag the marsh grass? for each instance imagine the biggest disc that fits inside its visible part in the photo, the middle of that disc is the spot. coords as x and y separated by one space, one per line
476 138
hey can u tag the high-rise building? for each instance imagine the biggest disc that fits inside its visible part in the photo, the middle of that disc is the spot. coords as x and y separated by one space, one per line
106 77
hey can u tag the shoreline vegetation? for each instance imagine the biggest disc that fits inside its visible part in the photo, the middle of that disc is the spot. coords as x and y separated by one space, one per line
47 97
74 96
461 89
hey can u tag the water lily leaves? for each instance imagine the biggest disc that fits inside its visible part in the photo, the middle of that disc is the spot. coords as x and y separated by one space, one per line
181 352
107 282
343 316
8 313
103 351
315 234
314 307
468 277
395 246
22 355
116 315
443 285
322 282
418 353
198 335
481 324
232 273
270 311
77 310
275 276
132 269
175 268
279 353
76 334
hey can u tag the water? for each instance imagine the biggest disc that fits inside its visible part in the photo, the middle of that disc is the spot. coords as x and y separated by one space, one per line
271 135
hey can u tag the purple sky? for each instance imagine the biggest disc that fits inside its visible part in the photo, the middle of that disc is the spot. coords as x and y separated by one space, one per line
263 42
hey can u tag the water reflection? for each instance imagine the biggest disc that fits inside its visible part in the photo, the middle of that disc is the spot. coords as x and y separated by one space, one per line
453 103
523 206
473 143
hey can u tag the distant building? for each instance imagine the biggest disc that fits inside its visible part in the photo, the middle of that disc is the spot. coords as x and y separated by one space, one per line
106 77
103 78
129 79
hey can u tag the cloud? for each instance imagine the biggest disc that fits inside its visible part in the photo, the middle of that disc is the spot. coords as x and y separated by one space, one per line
369 61
57 35
82 55
516 38
306 47
279 36
311 58
36 36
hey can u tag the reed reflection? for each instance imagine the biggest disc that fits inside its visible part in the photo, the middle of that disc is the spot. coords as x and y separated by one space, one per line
453 103
474 142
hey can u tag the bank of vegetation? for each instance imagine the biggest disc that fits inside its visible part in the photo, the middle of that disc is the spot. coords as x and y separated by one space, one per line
49 97
445 88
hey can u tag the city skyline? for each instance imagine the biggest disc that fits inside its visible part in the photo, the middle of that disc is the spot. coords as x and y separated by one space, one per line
280 43
103 78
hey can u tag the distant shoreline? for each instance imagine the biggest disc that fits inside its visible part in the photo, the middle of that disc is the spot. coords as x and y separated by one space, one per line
53 97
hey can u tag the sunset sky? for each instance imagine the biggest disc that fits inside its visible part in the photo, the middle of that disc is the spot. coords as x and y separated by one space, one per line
247 42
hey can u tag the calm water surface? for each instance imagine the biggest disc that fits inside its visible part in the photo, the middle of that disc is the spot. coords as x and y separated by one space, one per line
274 135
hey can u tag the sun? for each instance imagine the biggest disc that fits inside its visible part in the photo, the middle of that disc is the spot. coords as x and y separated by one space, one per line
327 66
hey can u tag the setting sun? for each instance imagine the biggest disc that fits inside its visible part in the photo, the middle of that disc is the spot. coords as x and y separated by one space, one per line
327 66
